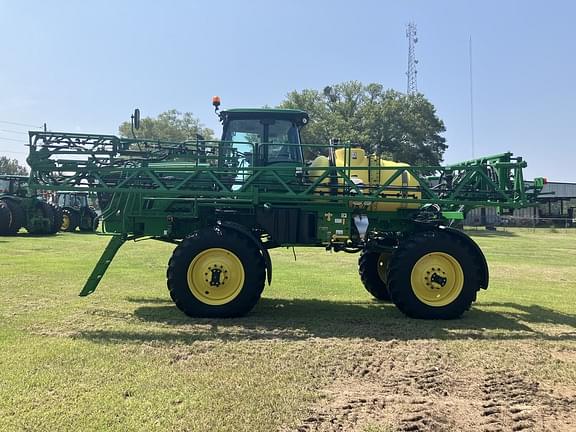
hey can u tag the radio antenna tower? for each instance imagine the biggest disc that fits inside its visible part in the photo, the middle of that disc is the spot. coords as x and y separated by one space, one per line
412 62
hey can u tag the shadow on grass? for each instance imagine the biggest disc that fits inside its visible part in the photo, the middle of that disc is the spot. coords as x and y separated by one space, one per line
26 234
282 319
537 314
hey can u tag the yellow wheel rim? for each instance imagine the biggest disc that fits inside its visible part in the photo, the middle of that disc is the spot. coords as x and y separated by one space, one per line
65 222
215 276
383 265
437 279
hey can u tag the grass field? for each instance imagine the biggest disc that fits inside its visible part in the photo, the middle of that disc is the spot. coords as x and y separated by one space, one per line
317 353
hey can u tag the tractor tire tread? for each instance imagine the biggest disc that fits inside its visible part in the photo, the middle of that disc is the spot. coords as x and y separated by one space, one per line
72 217
398 277
17 218
216 237
56 219
4 218
368 271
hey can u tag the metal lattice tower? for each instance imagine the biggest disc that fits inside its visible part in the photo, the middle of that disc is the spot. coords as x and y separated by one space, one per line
412 62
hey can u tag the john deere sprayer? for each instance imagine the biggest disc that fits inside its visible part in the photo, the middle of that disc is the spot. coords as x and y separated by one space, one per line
225 204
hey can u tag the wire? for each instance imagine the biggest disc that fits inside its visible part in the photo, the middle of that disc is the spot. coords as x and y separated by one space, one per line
10 151
21 124
13 139
13 131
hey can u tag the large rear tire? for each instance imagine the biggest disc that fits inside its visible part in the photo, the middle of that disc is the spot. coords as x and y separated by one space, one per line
57 218
16 216
373 269
89 222
216 273
434 275
4 218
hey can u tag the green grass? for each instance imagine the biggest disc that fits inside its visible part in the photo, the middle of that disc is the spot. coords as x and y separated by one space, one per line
126 359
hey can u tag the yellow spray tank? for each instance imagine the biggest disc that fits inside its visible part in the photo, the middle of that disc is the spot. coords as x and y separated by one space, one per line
356 159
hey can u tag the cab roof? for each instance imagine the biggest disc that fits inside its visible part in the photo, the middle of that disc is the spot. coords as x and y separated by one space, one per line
297 116
13 177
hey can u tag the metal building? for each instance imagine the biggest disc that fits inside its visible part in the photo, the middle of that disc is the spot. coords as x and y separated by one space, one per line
556 206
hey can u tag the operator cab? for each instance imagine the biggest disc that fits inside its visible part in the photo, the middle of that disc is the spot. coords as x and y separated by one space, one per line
13 184
265 136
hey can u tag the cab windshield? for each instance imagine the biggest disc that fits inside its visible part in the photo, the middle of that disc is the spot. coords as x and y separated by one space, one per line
272 140
72 200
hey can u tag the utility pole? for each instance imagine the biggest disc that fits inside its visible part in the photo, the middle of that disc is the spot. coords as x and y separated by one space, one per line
471 99
412 87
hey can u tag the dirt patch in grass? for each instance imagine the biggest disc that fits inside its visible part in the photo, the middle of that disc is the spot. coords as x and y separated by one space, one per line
420 386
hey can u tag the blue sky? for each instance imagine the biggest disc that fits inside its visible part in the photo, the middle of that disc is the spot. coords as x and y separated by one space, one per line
83 66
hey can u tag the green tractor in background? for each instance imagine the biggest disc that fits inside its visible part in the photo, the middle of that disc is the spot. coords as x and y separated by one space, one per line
19 210
77 212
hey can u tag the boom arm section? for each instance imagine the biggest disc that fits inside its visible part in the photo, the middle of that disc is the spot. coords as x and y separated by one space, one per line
137 174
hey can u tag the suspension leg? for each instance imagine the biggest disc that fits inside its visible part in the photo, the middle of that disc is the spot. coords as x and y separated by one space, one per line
107 256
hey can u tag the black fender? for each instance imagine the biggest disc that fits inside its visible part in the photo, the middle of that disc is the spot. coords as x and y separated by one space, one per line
11 198
246 232
72 210
485 277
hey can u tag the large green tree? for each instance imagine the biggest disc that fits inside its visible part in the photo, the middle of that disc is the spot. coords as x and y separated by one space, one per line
398 126
170 125
11 166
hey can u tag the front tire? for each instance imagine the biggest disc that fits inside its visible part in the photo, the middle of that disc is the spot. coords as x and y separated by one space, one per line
373 269
216 273
70 220
434 275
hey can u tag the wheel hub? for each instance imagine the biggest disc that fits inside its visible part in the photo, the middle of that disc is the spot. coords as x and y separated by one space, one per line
437 279
216 276
217 272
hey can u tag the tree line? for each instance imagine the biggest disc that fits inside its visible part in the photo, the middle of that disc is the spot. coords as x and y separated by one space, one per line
386 122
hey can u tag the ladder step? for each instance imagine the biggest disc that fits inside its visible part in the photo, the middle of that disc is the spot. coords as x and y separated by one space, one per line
103 263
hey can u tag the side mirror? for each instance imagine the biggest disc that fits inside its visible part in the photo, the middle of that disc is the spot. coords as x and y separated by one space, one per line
136 119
